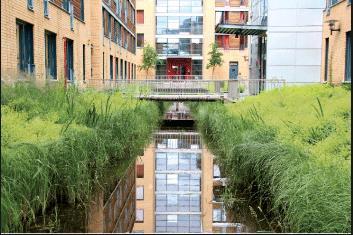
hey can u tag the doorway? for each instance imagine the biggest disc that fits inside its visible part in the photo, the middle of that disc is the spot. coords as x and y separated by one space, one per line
179 68
233 70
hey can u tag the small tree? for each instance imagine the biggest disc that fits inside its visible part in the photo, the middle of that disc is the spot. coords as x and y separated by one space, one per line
150 59
215 58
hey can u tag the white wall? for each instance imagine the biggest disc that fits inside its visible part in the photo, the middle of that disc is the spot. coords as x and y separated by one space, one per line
294 40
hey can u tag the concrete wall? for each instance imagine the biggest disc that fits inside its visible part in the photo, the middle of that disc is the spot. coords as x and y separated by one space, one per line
294 40
337 41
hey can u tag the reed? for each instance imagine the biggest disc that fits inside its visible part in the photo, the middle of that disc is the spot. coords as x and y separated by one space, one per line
57 144
291 158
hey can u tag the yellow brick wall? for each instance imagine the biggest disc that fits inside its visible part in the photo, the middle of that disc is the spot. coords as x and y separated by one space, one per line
337 41
88 32
149 31
147 204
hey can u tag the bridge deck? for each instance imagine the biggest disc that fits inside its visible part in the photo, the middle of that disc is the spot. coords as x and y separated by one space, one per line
170 97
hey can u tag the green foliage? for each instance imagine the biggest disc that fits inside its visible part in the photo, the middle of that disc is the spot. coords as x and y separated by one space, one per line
58 143
149 58
215 57
290 157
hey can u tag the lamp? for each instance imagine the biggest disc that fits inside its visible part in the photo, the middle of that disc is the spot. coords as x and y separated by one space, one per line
333 25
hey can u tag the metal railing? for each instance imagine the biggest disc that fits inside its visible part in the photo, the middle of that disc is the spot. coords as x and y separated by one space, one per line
177 140
166 88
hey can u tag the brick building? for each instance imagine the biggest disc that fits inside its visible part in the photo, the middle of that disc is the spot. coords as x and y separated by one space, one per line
73 39
336 41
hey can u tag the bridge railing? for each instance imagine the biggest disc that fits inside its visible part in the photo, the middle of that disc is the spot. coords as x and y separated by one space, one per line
231 89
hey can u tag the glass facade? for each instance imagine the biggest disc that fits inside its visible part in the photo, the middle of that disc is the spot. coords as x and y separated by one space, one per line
176 6
179 25
178 184
179 46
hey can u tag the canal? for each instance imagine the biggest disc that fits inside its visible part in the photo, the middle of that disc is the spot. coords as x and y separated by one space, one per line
179 185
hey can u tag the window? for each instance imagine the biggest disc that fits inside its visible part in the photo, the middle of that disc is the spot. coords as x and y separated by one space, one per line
91 62
348 69
30 4
83 62
25 59
69 59
140 171
116 68
66 5
139 193
125 70
82 10
103 65
216 171
139 215
140 40
121 68
219 215
111 67
327 47
140 16
46 8
50 55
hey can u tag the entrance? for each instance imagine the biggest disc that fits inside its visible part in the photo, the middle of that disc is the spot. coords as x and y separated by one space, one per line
233 70
179 68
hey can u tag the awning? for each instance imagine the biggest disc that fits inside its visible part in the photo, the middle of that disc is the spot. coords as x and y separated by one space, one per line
241 29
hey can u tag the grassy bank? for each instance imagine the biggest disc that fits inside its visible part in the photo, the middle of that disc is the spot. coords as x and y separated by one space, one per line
60 145
289 149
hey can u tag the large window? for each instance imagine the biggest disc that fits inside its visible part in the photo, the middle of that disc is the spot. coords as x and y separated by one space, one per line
179 25
179 46
178 161
185 182
24 32
69 59
348 69
50 55
176 6
174 223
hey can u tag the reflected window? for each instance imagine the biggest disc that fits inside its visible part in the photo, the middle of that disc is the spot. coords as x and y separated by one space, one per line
216 171
139 193
139 216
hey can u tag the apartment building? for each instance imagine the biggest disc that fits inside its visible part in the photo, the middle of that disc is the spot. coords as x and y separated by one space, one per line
336 41
291 47
75 40
182 32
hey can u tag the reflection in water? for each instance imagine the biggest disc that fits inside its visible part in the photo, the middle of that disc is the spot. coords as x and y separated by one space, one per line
178 185
180 190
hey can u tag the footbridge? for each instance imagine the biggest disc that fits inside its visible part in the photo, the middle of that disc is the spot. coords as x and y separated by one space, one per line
187 89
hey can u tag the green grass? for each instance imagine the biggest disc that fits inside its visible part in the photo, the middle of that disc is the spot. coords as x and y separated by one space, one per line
61 144
289 149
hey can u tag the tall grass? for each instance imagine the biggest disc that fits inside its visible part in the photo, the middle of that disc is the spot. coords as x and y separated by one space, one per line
61 144
289 149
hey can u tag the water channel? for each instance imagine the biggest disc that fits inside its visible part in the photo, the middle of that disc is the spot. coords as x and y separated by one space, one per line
179 185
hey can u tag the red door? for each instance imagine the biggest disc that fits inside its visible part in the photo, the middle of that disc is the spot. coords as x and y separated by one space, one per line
179 68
